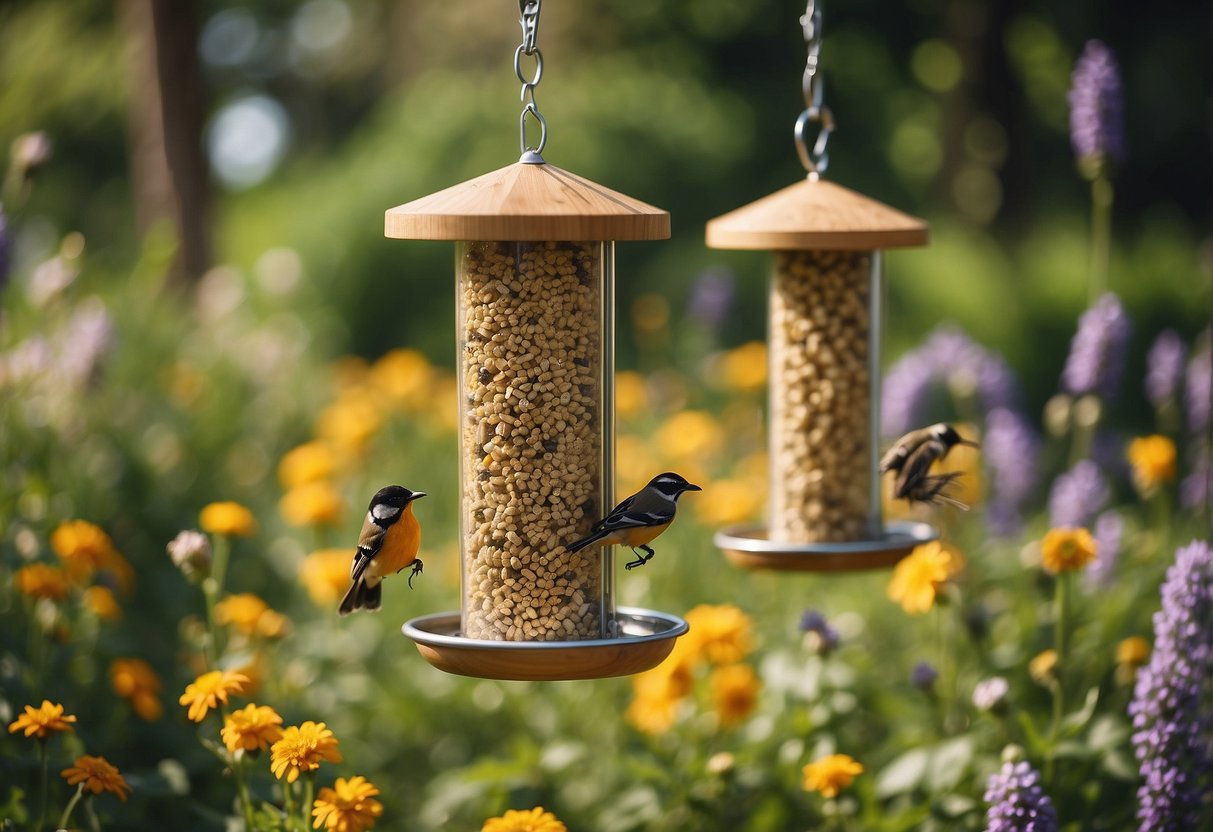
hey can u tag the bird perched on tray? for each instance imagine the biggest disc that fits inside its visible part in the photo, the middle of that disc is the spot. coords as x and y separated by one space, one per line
912 456
389 541
640 518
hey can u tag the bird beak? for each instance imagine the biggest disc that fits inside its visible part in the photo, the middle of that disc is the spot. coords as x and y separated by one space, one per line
691 487
418 494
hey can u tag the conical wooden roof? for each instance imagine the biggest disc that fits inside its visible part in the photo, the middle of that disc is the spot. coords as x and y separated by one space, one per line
527 202
815 214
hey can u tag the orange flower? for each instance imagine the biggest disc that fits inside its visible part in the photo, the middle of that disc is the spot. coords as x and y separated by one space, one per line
312 504
326 575
347 807
735 690
209 690
252 728
83 548
227 518
719 633
1043 667
1153 462
101 601
134 679
97 775
248 614
524 820
744 368
309 462
831 774
38 580
919 576
403 377
1131 654
1066 550
41 721
301 749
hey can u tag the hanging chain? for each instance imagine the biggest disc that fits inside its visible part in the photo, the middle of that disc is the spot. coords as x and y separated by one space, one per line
529 19
815 158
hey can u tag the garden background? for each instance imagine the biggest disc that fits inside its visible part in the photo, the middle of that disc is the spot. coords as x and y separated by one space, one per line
168 340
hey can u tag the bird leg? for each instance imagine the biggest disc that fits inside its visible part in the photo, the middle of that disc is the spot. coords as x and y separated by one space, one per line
418 568
641 560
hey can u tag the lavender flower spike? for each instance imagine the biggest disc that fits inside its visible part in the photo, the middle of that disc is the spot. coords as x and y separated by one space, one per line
1172 729
1097 119
1097 351
1017 802
1198 392
1077 495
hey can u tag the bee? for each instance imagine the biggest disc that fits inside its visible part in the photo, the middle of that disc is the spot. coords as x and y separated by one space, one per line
912 456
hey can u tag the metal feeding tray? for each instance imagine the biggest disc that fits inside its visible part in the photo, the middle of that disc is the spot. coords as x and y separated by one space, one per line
646 638
749 547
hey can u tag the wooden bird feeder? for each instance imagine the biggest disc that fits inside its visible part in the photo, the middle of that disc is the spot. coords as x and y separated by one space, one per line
535 275
825 318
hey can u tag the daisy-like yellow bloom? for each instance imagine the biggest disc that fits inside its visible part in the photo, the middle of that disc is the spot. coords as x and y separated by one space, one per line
252 728
1131 654
325 574
1153 461
744 368
658 692
403 377
227 518
101 602
919 576
444 403
831 774
721 634
349 806
729 501
40 580
248 614
309 462
41 721
1066 550
82 546
209 690
631 394
312 504
303 748
350 422
633 464
690 436
97 775
134 680
735 690
1043 666
524 820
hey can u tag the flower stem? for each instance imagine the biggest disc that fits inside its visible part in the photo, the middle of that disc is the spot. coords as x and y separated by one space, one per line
67 812
44 763
288 804
1101 234
243 793
1060 628
309 794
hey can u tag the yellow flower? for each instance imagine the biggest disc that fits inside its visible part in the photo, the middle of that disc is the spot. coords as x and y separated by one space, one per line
301 749
83 548
350 422
524 820
252 728
39 722
1066 550
210 689
657 692
227 518
312 504
735 690
135 680
690 436
831 774
729 501
97 775
309 462
631 395
1043 666
403 378
248 614
1131 654
326 575
918 577
1153 461
745 368
102 602
38 580
633 464
721 634
347 807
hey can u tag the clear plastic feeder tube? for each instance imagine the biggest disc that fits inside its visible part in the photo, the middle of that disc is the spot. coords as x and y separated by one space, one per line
536 374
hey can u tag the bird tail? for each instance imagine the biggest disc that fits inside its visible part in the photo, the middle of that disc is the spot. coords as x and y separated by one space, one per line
361 596
578 545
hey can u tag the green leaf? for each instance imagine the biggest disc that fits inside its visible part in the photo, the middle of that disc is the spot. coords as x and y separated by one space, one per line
1074 722
949 761
903 774
1107 733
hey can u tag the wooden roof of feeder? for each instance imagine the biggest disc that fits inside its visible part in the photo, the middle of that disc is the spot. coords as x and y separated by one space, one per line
527 202
815 215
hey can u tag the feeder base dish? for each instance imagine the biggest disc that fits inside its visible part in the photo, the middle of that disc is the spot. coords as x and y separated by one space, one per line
647 638
748 547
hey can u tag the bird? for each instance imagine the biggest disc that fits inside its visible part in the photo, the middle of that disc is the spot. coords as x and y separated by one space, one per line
912 456
640 518
389 542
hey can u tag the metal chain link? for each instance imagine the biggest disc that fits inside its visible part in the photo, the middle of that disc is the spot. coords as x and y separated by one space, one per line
814 158
529 18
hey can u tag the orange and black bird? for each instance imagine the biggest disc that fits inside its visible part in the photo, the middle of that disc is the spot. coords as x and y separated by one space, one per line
912 456
639 518
389 541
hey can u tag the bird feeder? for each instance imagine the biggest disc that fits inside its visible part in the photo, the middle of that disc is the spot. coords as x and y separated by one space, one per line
535 274
824 330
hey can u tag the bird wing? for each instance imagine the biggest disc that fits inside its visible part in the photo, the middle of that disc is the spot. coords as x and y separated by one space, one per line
894 458
370 541
608 522
917 465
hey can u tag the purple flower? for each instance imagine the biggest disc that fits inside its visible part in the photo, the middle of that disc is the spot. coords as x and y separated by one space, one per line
1010 447
923 676
1171 726
1108 532
903 394
1017 802
1097 352
825 638
991 694
1077 495
1164 368
1198 388
1097 120
1196 490
711 297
